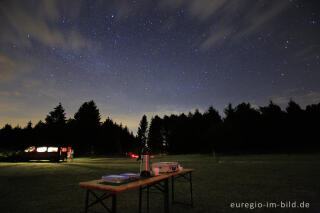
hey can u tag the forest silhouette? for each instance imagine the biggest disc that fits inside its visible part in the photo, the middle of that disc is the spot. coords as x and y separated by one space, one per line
243 129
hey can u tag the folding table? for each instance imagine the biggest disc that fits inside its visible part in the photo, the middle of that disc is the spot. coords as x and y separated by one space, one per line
160 183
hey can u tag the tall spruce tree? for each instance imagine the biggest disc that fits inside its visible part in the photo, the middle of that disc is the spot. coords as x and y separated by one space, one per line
88 115
87 121
56 117
142 132
155 136
55 127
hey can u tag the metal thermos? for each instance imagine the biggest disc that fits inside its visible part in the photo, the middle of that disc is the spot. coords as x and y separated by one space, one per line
145 163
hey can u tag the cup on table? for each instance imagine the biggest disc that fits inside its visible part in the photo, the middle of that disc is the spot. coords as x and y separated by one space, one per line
156 171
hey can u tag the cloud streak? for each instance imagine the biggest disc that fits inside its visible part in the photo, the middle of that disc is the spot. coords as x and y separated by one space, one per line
250 16
229 20
23 25
7 68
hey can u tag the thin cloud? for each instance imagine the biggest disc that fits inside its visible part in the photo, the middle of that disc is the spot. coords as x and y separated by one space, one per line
18 114
236 19
252 19
7 68
233 20
5 93
204 9
15 67
23 24
215 38
259 15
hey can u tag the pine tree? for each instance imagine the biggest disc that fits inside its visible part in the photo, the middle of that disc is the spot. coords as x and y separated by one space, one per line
57 116
87 122
142 131
155 136
88 115
55 127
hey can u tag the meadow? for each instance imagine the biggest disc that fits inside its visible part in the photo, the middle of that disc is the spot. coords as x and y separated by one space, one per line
53 187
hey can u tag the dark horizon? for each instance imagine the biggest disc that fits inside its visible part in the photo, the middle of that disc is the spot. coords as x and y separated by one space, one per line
243 130
149 118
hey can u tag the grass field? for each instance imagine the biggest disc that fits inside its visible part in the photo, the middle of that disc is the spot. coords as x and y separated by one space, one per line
53 187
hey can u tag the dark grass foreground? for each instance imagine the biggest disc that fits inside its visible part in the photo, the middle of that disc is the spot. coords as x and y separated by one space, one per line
52 187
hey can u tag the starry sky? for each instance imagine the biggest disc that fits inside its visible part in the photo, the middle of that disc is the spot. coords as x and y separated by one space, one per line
155 57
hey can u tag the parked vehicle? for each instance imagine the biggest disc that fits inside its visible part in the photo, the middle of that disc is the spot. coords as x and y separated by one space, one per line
53 153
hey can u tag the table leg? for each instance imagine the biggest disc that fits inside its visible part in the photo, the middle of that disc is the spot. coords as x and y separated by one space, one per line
190 179
172 188
148 198
140 198
87 202
166 196
114 203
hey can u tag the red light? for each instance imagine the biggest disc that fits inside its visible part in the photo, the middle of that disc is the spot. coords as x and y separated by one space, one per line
152 156
134 156
64 149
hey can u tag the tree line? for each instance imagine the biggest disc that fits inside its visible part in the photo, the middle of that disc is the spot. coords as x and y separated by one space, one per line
243 129
84 132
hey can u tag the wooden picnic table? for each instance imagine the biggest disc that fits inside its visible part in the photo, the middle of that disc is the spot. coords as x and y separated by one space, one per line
160 183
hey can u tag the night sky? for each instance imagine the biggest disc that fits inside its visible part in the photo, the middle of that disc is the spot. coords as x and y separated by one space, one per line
155 57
